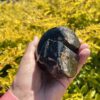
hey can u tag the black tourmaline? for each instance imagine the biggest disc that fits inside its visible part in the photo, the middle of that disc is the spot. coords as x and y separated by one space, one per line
57 52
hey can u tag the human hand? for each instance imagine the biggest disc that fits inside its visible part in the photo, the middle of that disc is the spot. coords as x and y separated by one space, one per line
27 84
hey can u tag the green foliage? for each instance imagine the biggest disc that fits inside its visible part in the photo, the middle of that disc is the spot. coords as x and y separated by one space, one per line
19 23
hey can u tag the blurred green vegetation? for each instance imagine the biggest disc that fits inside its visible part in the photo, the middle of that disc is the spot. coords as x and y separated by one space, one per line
21 20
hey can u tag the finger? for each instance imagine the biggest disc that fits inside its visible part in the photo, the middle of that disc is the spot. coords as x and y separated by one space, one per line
83 55
27 66
32 46
80 41
29 57
83 46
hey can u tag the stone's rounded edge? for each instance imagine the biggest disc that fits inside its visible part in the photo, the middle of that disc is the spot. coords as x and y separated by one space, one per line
67 33
55 34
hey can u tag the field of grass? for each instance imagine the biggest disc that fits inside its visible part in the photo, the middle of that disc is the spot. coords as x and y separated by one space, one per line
20 21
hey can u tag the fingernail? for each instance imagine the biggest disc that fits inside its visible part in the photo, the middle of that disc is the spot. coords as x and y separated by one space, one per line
83 46
35 38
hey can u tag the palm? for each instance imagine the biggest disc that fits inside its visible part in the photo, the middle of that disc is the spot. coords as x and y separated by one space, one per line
28 79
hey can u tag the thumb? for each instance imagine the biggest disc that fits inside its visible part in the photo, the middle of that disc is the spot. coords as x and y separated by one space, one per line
31 47
27 66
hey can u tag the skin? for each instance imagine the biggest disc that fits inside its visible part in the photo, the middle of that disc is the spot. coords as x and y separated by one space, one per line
27 84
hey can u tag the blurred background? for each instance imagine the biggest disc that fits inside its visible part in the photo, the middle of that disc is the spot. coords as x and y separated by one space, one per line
20 20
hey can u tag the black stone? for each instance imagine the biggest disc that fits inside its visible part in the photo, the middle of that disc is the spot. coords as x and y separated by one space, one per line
57 52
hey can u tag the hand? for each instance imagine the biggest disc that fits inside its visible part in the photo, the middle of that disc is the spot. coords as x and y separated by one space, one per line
27 84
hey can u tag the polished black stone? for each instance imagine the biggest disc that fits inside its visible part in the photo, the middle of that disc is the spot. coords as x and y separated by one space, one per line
57 52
